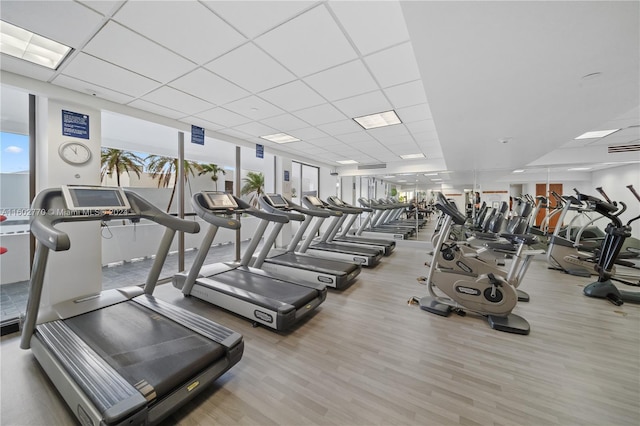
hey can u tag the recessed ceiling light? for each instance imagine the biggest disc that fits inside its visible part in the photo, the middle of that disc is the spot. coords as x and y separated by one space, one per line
579 169
436 180
518 171
411 156
596 134
23 44
431 174
387 118
347 161
280 138
401 180
389 177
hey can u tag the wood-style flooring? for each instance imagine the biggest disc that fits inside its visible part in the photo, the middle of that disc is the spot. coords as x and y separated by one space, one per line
369 358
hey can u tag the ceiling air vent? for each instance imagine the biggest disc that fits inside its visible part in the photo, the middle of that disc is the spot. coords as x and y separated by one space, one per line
624 148
372 166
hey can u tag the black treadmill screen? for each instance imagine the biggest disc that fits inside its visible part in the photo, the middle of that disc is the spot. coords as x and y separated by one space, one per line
277 200
219 200
96 198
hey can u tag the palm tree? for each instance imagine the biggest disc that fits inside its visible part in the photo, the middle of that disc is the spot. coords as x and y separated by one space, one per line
214 169
164 168
254 182
117 161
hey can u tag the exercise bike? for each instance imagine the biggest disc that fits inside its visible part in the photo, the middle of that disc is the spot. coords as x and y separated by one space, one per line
491 295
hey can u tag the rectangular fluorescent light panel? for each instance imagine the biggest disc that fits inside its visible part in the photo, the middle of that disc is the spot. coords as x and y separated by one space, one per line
579 169
387 118
347 162
518 171
411 156
280 138
431 174
23 44
436 180
596 134
389 176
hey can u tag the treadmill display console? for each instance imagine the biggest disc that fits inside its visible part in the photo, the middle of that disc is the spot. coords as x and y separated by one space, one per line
277 201
315 201
96 199
219 200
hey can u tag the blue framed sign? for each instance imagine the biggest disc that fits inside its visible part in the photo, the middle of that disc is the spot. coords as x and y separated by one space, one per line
75 124
286 175
197 135
259 151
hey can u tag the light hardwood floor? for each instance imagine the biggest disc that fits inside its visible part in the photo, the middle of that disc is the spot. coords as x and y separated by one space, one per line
367 357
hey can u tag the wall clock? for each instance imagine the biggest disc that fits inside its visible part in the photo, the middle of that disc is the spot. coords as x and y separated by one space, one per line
75 153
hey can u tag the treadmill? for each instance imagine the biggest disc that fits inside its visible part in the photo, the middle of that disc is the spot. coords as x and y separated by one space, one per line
300 266
121 356
235 286
370 227
351 213
332 250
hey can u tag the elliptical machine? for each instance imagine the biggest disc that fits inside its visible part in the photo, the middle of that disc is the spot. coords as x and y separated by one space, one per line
616 233
490 295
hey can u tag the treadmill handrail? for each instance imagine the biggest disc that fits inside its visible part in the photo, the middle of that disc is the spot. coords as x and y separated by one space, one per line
271 209
50 200
309 212
260 214
334 213
198 203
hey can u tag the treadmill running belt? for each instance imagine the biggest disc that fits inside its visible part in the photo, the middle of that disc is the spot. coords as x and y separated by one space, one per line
273 288
316 264
126 336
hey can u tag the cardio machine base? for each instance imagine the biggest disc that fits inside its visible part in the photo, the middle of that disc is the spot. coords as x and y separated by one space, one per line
522 296
512 323
608 290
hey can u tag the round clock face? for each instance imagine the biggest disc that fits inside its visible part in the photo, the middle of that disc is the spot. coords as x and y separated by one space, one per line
75 153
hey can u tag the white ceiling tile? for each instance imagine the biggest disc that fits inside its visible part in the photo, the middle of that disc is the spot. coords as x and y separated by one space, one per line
235 133
105 74
389 131
177 100
254 107
430 137
340 127
343 81
24 68
105 7
99 91
156 109
187 27
121 46
292 96
252 18
73 25
369 103
394 66
372 25
414 113
406 94
223 117
256 129
421 126
285 122
399 140
320 114
308 133
208 86
195 121
250 68
356 137
328 143
309 43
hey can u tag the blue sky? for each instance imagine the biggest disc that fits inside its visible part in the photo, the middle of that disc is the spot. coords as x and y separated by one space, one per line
14 152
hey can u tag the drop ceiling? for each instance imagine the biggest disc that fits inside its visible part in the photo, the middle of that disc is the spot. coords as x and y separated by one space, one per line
463 76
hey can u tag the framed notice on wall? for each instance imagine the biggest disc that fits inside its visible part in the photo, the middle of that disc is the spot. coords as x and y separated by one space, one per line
75 124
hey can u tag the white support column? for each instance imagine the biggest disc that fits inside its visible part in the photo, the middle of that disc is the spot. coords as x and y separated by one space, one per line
77 272
283 187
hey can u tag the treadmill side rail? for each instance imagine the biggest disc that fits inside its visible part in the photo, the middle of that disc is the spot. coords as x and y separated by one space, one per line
110 394
200 325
